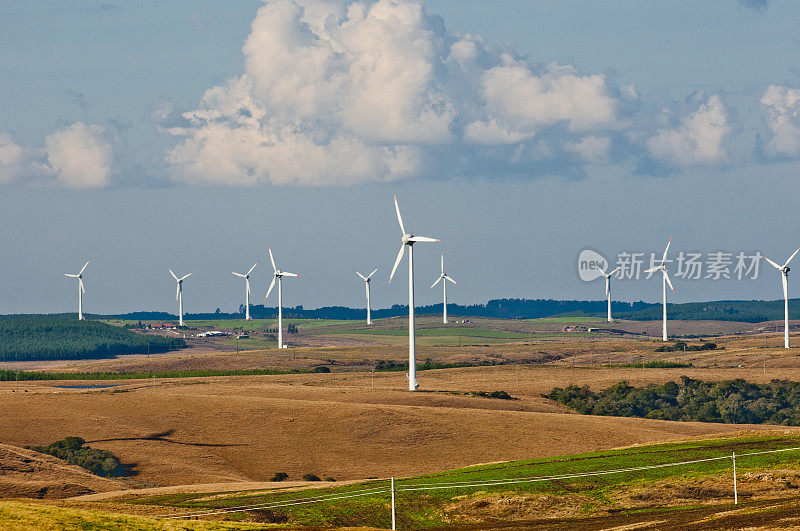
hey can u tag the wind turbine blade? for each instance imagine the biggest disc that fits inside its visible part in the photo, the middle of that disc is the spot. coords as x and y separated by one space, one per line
87 263
614 271
177 291
664 257
397 261
247 285
80 282
269 290
602 271
362 276
285 274
422 239
443 263
271 259
184 277
776 266
450 279
399 217
173 274
666 276
437 281
70 275
651 270
251 269
238 274
607 282
790 258
373 272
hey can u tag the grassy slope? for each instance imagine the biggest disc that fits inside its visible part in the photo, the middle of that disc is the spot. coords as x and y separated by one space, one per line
29 516
429 507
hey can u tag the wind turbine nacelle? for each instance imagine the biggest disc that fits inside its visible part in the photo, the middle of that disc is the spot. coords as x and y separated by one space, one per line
407 239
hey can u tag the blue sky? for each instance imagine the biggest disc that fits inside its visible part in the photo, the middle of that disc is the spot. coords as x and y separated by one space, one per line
153 135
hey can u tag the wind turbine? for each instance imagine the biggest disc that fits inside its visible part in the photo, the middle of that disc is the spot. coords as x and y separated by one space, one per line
664 281
366 280
444 276
81 289
408 241
278 274
784 269
246 278
179 294
608 288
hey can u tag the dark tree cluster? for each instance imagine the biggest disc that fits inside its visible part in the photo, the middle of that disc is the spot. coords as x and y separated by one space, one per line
44 338
73 451
732 402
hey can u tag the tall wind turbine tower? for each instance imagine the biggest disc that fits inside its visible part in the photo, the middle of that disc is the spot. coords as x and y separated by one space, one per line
408 241
444 277
366 280
664 281
246 278
179 294
81 289
784 269
608 288
278 274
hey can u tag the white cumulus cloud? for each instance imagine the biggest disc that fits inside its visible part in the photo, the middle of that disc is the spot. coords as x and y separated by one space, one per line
80 156
698 140
347 92
13 159
782 106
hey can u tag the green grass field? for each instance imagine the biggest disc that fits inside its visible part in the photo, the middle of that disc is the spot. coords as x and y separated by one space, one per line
428 506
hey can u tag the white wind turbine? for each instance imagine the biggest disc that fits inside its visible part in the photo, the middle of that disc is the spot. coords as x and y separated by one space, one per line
664 281
246 278
784 269
366 280
278 274
81 289
608 288
444 276
408 241
179 294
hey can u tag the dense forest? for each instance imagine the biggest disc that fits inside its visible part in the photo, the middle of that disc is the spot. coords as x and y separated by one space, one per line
60 337
748 311
732 402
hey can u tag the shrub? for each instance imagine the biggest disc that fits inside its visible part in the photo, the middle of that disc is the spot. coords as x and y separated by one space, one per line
279 476
321 369
311 477
502 395
72 450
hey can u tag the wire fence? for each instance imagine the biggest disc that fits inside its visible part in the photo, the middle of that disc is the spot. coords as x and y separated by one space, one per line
391 488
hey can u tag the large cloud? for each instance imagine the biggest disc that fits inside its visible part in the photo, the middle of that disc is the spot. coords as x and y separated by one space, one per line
698 139
337 92
782 106
80 156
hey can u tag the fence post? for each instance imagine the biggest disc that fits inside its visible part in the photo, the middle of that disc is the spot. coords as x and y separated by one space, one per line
393 517
735 491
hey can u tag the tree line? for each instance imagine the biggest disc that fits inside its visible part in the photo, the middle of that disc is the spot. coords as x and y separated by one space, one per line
732 402
61 337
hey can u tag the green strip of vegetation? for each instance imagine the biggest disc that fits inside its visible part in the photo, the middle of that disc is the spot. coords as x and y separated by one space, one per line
654 365
418 509
10 376
682 346
393 366
731 402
